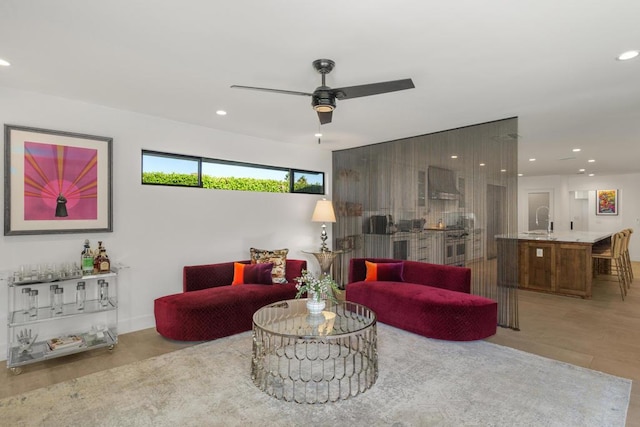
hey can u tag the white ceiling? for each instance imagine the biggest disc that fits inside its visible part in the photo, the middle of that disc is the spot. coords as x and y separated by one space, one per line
549 62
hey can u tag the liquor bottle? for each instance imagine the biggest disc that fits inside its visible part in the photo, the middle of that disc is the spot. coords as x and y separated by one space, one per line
102 260
86 259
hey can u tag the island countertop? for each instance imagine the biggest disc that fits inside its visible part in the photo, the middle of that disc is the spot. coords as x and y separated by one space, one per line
558 263
559 236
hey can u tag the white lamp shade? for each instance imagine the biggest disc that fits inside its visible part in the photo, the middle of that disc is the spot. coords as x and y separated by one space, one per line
324 212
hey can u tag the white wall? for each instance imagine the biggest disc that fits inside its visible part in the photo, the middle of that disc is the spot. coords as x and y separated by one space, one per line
158 230
560 186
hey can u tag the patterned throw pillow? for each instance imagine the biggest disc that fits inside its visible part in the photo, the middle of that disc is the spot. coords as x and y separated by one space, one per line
255 274
384 272
276 257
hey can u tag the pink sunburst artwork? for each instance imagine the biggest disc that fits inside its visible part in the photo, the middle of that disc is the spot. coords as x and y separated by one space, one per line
60 182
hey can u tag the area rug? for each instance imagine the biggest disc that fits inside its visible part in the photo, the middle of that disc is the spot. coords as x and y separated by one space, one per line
422 382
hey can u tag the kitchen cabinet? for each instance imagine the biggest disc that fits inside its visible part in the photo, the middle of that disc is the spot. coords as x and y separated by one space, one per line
437 251
475 245
378 194
427 247
557 264
377 246
422 188
405 188
395 246
394 181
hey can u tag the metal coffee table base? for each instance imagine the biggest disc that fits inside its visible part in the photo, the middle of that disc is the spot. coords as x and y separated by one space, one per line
303 358
314 371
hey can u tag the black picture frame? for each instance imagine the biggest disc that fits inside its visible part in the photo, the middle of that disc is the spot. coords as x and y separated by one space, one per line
38 164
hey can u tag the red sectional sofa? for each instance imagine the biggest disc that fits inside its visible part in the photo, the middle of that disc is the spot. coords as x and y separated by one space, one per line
432 300
211 308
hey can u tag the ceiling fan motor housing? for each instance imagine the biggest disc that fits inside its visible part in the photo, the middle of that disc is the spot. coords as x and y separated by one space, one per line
323 100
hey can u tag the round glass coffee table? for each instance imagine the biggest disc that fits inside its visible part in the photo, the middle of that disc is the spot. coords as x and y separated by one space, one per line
321 358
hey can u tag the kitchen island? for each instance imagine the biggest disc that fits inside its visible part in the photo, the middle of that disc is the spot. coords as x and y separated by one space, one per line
558 263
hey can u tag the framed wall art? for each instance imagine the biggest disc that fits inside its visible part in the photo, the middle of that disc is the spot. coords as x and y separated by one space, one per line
56 182
607 202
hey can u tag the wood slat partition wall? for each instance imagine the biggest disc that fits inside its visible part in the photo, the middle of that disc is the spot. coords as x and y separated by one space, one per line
389 179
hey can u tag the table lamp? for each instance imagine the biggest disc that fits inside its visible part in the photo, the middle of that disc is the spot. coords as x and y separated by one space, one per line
324 213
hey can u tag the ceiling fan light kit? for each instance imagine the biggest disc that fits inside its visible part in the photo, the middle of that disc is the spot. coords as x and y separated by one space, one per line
323 99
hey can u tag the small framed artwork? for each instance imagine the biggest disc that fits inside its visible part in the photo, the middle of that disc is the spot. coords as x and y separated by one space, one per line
56 182
607 202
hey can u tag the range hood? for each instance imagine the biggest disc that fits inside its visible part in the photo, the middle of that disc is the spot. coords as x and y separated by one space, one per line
442 184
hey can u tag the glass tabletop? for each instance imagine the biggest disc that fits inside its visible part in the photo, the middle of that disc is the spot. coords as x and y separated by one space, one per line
291 318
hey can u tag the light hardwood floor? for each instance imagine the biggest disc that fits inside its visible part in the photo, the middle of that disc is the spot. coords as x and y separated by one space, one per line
602 334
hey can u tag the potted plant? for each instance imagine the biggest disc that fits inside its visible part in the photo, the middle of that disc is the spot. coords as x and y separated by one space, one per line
317 290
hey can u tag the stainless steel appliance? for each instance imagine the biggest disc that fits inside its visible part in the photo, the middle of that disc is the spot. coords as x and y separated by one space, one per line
410 225
455 244
380 224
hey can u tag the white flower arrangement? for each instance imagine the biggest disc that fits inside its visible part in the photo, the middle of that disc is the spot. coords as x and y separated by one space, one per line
324 287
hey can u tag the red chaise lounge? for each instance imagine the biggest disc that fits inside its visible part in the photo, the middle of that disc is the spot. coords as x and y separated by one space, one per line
432 300
210 308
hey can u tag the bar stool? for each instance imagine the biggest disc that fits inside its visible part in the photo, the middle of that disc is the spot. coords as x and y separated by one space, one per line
624 253
627 257
613 254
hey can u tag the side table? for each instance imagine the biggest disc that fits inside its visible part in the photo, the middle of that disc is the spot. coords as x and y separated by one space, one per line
325 260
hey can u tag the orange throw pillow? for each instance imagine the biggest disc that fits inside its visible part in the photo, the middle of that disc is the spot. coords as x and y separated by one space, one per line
255 274
384 272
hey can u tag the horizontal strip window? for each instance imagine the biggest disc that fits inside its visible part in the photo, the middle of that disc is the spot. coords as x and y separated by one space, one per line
308 182
170 169
189 171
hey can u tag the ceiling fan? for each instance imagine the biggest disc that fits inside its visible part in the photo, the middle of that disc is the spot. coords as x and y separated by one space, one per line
323 99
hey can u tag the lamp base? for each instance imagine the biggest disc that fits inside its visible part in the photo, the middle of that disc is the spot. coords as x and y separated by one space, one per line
323 237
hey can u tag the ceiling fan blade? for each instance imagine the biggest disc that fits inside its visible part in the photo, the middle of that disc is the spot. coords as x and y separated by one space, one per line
325 117
372 89
264 89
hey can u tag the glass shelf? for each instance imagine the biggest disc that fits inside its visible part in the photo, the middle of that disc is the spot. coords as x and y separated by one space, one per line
45 314
40 350
59 280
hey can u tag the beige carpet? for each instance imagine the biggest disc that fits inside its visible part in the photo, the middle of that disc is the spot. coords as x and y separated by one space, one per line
422 382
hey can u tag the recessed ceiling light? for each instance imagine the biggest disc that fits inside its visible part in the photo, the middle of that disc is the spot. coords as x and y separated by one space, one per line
591 174
630 54
575 150
221 113
591 160
318 135
454 157
581 170
520 174
482 164
503 170
532 160
4 62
